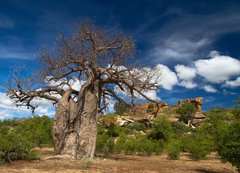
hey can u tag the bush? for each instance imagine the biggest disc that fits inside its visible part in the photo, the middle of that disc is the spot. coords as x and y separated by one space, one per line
197 145
38 130
179 128
104 144
113 131
121 108
162 129
229 145
174 149
14 146
215 125
138 144
19 136
137 126
150 108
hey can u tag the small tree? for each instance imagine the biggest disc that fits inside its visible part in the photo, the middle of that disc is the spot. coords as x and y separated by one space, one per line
98 60
121 108
229 145
187 112
228 142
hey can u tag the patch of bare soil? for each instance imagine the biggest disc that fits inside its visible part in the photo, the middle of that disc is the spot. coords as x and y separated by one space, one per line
117 164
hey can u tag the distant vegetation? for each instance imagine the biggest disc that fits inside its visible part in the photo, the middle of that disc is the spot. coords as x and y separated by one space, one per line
218 132
19 136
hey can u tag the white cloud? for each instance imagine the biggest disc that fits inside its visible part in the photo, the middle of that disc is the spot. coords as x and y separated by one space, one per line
219 68
152 94
209 88
162 75
233 83
188 84
8 109
177 49
184 72
74 83
167 77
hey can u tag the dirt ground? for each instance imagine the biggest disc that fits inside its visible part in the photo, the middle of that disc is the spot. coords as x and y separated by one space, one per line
118 164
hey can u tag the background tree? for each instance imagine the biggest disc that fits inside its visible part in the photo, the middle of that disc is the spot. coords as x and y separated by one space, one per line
228 141
98 60
187 112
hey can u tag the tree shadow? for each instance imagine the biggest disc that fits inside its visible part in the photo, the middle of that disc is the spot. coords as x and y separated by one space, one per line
210 171
117 157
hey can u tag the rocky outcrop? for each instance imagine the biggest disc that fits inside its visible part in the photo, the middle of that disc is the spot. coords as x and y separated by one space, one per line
117 120
145 113
149 108
196 101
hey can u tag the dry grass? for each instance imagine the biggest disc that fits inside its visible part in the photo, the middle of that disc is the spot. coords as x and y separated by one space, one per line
118 164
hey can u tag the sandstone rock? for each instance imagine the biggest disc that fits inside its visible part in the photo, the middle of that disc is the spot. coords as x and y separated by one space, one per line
196 101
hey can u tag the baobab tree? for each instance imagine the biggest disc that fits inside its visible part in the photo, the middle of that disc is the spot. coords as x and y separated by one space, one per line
99 60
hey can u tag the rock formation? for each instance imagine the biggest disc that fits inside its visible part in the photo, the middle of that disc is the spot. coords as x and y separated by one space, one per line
145 113
196 101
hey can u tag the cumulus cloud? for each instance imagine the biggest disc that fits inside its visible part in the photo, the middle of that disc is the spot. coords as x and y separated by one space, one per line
8 108
186 75
63 83
185 72
167 78
209 88
233 83
219 68
188 84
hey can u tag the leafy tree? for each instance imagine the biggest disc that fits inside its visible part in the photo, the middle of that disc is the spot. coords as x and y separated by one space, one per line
187 112
229 145
216 123
99 59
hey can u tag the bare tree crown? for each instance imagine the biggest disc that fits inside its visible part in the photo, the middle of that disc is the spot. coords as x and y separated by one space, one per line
93 55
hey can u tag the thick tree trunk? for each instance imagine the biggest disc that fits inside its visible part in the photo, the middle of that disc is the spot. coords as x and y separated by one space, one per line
75 128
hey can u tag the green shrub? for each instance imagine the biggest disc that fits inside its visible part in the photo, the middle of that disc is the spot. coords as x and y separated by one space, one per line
229 145
215 125
137 126
104 144
19 136
162 129
179 128
138 144
14 146
113 131
38 130
198 146
150 108
120 144
174 149
121 108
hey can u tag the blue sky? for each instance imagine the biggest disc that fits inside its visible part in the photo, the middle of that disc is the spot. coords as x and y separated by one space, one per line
195 42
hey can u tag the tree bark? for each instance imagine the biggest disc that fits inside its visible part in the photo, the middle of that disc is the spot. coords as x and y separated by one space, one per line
75 127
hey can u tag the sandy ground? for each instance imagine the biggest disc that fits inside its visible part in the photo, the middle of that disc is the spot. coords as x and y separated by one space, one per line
118 164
